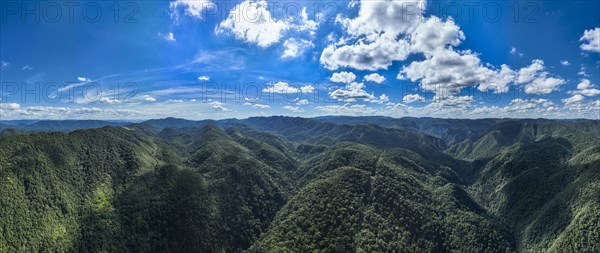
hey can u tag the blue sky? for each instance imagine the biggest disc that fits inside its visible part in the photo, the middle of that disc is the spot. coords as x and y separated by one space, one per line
237 59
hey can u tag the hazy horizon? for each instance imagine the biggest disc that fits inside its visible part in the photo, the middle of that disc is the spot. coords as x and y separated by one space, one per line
292 116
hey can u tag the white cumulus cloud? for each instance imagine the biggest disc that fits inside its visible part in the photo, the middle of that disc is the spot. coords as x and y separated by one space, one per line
586 88
307 89
435 34
447 71
295 48
351 93
574 99
219 106
168 37
411 98
9 106
374 77
536 79
374 38
343 77
302 102
366 55
293 108
591 40
261 106
193 8
280 87
251 21
148 98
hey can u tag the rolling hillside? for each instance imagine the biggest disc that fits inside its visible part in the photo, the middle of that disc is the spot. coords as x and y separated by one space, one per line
280 184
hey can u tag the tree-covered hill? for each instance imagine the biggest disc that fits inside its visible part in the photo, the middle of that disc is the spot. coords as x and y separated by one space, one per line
58 125
281 184
379 205
518 132
548 192
58 190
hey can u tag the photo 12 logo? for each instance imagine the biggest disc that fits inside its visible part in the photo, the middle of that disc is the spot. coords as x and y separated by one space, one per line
486 11
84 92
68 11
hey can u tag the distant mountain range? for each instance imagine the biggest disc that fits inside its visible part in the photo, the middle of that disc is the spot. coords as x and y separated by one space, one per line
432 126
283 184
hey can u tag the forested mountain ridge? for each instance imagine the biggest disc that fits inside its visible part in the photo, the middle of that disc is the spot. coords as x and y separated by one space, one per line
548 192
58 125
280 184
51 183
511 133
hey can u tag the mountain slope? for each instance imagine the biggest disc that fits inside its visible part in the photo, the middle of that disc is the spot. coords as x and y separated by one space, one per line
380 208
58 125
510 133
57 189
281 184
547 192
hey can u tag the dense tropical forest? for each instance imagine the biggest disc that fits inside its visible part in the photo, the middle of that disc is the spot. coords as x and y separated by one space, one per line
281 184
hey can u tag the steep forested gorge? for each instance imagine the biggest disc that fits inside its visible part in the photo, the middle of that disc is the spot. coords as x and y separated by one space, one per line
280 184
